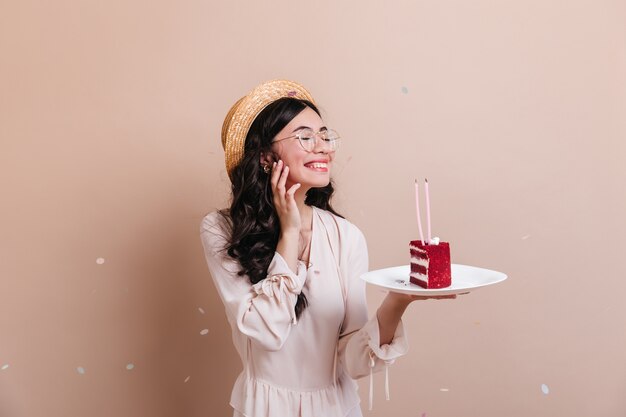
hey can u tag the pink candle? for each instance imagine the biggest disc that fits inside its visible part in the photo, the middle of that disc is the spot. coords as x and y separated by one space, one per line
428 211
417 208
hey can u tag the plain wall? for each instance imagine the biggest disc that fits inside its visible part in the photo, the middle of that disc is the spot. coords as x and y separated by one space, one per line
110 116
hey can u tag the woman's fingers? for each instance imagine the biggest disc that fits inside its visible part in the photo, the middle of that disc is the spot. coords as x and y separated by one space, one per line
292 190
275 174
433 297
282 197
283 179
276 171
280 187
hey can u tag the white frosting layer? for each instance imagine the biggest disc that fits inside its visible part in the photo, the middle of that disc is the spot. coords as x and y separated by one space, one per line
415 247
420 261
419 277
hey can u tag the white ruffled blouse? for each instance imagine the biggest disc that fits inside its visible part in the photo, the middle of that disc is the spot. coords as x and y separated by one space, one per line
303 367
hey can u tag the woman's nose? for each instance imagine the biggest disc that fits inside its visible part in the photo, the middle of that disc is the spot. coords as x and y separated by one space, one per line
320 143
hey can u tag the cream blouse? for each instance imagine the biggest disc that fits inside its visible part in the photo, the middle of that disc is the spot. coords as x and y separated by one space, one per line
303 367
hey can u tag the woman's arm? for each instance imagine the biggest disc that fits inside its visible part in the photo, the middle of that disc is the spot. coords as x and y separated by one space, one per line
287 211
391 310
264 311
389 314
361 347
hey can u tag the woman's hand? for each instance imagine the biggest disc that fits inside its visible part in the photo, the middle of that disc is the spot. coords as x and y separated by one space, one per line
400 298
284 200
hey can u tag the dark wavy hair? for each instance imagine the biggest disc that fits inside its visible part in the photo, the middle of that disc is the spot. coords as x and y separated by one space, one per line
254 223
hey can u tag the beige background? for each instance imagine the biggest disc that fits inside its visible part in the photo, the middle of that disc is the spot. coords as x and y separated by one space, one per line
110 114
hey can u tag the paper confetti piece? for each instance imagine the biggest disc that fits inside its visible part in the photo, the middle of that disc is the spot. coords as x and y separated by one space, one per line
405 90
130 366
81 370
444 389
187 379
204 332
525 237
201 310
545 389
100 261
5 366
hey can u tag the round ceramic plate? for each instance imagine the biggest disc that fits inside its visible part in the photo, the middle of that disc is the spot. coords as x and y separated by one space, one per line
465 279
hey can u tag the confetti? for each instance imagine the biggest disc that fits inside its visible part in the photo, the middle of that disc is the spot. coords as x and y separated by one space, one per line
201 310
545 389
81 370
405 90
525 237
130 366
100 261
5 366
204 331
187 379
444 389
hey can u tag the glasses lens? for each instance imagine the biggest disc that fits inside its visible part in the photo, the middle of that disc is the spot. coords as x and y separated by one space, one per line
331 134
307 139
329 138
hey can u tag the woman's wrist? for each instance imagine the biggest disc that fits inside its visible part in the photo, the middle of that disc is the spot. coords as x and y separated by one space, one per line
289 233
389 314
398 301
288 248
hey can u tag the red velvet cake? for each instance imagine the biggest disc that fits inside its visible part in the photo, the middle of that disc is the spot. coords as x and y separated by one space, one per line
430 264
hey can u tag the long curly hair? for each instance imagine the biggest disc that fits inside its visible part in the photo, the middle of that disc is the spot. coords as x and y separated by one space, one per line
252 218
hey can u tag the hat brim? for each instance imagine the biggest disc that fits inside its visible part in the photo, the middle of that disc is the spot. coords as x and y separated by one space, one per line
242 114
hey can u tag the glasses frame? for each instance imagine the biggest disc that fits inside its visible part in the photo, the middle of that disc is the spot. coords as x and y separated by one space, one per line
325 142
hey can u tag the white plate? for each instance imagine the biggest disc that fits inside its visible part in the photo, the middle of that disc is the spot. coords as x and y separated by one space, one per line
465 278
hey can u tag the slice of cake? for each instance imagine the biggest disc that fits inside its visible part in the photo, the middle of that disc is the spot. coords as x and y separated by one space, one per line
430 264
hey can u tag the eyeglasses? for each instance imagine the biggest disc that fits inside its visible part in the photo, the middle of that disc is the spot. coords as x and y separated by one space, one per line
308 139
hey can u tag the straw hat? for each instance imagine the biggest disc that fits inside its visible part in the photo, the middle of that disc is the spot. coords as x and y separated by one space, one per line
246 109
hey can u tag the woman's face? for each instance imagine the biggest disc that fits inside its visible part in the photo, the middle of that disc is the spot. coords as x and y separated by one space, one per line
310 169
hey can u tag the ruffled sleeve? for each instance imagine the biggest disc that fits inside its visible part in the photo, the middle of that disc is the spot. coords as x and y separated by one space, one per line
264 311
359 340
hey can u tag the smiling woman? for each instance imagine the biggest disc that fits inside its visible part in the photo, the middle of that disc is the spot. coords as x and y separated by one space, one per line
306 157
286 265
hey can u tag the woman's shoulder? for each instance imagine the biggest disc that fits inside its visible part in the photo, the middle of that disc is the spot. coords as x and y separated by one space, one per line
216 222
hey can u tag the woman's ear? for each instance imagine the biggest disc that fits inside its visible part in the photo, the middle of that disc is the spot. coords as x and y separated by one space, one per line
267 159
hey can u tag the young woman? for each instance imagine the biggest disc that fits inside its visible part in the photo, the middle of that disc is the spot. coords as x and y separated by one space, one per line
287 266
